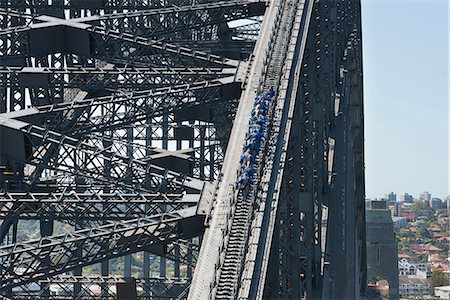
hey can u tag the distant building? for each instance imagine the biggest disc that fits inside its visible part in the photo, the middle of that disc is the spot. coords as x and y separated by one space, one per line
396 209
440 266
412 270
410 287
406 198
406 268
442 292
425 196
435 203
376 204
391 197
410 215
434 258
399 222
415 214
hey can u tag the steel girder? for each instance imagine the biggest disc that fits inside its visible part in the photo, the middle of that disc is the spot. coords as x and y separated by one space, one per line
319 223
318 192
122 110
122 46
90 207
91 79
93 7
103 288
111 139
112 45
347 248
30 261
321 195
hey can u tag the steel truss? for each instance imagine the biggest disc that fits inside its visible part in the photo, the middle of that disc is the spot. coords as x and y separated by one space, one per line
103 288
127 125
308 212
322 192
30 261
90 207
120 121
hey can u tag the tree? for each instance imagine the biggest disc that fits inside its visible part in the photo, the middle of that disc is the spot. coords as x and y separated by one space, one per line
423 233
419 204
405 249
438 278
403 232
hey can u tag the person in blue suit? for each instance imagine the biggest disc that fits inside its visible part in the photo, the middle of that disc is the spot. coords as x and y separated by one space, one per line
261 120
249 171
255 133
253 145
247 158
243 180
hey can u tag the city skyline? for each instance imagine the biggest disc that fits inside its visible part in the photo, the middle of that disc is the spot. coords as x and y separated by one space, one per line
415 196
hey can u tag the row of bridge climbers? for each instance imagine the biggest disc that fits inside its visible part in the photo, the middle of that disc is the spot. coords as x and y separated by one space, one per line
255 136
243 193
243 196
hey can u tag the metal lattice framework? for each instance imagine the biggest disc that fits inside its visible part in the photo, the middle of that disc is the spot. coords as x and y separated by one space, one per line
105 287
123 121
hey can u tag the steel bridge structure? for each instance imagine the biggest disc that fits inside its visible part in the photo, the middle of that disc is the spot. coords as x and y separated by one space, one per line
121 127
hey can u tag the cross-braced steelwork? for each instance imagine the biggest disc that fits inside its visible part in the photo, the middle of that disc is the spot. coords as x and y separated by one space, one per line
122 123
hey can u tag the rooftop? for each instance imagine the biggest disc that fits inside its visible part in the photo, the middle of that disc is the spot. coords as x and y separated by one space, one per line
445 288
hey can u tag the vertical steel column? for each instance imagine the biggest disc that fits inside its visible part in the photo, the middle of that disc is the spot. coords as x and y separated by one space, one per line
148 152
4 20
214 155
46 228
104 265
189 259
202 163
177 247
14 240
165 145
79 270
17 53
130 153
81 160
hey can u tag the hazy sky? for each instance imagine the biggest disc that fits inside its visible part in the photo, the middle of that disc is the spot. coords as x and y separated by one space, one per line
405 51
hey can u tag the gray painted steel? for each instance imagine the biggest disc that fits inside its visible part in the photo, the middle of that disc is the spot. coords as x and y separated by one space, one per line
382 256
125 121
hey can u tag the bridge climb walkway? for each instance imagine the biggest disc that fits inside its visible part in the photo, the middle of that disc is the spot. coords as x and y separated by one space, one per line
213 239
237 238
218 270
261 230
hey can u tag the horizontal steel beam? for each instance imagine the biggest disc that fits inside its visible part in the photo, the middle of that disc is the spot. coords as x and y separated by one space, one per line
100 287
123 71
129 38
25 262
136 9
93 207
152 96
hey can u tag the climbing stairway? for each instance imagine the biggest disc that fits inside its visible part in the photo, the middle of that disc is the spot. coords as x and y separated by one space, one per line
236 243
237 238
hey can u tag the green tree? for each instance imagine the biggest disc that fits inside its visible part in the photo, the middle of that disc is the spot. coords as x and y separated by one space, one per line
405 249
438 278
403 232
423 233
419 204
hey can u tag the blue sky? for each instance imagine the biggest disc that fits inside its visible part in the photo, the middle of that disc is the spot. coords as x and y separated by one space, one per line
405 52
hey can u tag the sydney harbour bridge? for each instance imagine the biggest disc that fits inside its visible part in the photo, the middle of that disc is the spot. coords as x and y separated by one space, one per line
122 124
